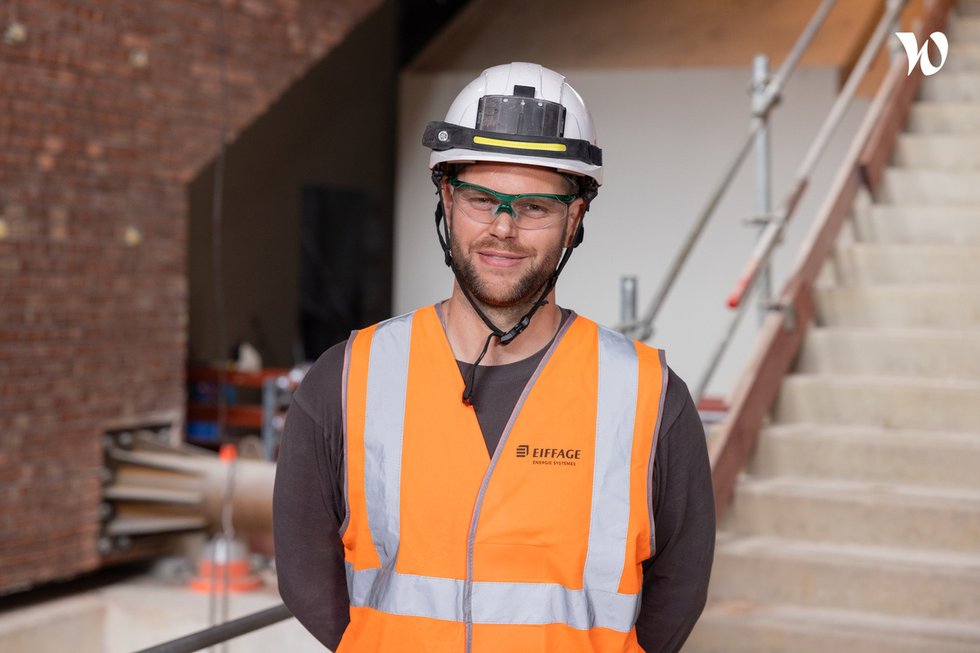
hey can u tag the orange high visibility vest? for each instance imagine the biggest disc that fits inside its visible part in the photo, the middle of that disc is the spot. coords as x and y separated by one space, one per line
538 548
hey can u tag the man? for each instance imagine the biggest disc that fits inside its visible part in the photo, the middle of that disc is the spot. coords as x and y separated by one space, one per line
496 473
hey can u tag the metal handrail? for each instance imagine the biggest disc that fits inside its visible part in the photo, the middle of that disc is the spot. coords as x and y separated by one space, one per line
776 224
642 329
222 632
774 228
765 98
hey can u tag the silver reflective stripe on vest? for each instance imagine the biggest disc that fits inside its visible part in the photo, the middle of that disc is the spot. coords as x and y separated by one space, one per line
384 422
653 450
343 410
551 603
615 418
493 603
405 594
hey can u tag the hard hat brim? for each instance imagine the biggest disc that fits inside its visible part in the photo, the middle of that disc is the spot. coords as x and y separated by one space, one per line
452 143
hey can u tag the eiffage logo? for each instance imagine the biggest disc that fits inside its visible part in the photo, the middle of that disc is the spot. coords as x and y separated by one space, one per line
556 456
921 56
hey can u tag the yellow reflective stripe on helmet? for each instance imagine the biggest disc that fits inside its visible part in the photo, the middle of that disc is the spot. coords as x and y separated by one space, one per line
519 145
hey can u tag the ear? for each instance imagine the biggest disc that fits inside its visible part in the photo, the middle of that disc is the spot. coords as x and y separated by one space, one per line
576 213
445 193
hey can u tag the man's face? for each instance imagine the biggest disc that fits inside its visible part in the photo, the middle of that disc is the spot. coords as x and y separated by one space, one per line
499 263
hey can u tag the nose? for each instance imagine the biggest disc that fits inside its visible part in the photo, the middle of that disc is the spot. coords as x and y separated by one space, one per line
504 226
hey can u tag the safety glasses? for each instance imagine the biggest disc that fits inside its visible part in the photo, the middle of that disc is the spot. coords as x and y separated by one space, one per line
529 210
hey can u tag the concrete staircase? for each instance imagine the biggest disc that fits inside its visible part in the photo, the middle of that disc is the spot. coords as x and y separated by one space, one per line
856 527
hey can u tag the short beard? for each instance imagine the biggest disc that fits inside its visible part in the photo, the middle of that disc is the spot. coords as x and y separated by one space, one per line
521 296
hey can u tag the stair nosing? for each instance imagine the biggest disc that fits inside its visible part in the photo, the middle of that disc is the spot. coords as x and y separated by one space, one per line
821 430
897 332
882 379
848 553
855 621
837 489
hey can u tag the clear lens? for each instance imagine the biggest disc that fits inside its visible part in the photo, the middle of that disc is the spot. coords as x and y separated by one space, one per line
528 211
523 116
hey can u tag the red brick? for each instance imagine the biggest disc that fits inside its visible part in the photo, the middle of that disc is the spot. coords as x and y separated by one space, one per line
92 330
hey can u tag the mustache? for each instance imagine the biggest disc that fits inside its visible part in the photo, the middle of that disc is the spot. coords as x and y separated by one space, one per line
497 245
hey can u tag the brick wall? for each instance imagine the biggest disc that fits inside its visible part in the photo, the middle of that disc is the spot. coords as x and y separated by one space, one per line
107 110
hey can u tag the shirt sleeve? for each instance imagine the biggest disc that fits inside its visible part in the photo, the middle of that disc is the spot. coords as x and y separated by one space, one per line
675 579
308 504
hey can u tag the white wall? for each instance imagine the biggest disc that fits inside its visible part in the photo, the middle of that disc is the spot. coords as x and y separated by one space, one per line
667 136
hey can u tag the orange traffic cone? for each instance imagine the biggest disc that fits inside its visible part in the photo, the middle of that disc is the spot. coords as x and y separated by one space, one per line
224 560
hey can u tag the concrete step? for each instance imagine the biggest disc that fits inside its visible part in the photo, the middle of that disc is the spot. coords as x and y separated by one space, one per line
874 263
964 57
924 404
951 86
744 627
900 306
922 224
922 186
944 118
916 353
859 512
893 581
938 151
963 29
942 459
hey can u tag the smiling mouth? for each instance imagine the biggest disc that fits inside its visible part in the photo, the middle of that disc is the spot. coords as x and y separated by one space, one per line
500 259
500 253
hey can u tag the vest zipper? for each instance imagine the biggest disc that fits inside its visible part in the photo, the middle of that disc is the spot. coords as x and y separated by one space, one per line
474 520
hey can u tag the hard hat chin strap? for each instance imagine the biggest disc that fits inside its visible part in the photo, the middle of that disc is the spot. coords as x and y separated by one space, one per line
505 337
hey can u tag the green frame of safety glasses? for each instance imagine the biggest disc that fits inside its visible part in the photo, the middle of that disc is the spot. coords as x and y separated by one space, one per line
505 199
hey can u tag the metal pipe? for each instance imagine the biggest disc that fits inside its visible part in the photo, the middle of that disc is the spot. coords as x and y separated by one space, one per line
270 406
895 49
773 231
645 325
222 632
765 244
802 43
719 351
227 534
763 170
627 299
643 328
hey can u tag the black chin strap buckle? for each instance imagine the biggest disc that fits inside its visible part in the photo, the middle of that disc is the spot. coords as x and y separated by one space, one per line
506 338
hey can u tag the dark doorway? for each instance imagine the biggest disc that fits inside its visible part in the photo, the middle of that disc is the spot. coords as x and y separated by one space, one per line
341 265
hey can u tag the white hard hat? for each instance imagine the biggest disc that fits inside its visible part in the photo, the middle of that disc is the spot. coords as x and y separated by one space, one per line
518 113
